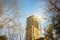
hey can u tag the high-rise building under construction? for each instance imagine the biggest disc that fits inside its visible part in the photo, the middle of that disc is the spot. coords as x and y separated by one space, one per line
32 29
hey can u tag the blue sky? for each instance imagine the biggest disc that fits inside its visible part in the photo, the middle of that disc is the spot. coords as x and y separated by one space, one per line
29 7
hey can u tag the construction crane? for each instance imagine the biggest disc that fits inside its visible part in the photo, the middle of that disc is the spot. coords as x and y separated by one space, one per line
40 27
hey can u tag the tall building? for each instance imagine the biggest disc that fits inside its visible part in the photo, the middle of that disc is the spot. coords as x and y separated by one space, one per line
1 13
1 8
32 29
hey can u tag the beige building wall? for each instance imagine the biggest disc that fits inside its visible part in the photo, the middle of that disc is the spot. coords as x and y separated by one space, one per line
1 12
32 29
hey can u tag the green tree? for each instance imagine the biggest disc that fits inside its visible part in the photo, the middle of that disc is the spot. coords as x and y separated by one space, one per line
49 32
54 8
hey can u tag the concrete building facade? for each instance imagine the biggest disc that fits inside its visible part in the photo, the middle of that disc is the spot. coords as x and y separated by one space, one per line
32 29
1 12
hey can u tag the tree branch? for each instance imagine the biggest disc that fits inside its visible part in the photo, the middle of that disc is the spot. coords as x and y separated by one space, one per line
55 6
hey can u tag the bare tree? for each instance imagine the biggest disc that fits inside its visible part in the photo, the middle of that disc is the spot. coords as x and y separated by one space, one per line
55 8
54 5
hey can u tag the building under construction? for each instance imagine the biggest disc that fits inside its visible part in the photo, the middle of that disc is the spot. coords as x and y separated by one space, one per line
1 11
32 29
